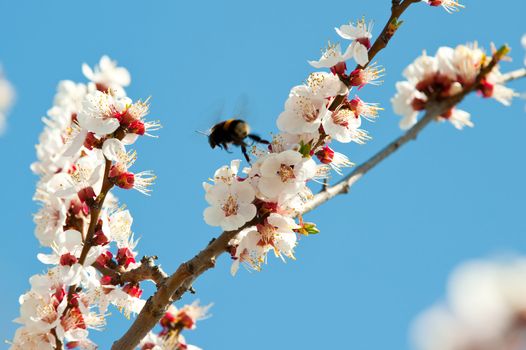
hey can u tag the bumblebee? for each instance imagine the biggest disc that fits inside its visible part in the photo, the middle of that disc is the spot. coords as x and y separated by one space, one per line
233 132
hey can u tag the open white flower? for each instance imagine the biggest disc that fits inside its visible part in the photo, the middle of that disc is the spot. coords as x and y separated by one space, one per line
361 36
86 172
343 125
231 205
467 60
253 244
230 199
284 174
303 111
100 112
332 56
107 75
326 85
27 339
66 253
422 68
401 102
117 227
50 220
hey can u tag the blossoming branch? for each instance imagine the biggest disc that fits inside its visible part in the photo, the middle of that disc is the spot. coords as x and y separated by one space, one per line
82 155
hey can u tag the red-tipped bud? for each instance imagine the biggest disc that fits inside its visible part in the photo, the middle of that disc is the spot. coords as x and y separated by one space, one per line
106 281
77 207
325 155
136 127
418 104
435 2
120 177
133 290
68 259
101 87
486 88
447 114
99 238
104 258
125 257
356 78
59 294
87 195
339 68
74 301
91 141
72 344
185 320
167 320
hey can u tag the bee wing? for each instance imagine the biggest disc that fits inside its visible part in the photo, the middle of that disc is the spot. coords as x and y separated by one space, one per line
212 115
241 109
217 111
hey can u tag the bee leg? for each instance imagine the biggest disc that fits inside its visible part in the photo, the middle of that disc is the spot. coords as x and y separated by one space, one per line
258 139
245 153
225 147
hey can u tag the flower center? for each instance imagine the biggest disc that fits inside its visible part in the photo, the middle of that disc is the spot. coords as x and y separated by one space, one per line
316 81
307 110
286 172
267 233
342 117
230 207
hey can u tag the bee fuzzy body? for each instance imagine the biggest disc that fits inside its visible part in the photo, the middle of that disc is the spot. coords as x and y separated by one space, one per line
233 132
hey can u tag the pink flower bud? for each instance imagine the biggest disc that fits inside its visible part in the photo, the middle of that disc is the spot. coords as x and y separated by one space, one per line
356 78
125 257
104 258
106 281
136 127
339 68
120 177
86 195
72 344
68 259
99 238
418 104
132 289
91 141
167 319
435 2
486 88
325 155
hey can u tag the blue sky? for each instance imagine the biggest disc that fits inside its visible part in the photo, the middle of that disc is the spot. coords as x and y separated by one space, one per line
385 249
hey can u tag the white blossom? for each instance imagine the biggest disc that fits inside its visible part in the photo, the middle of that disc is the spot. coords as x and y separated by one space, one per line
107 75
361 36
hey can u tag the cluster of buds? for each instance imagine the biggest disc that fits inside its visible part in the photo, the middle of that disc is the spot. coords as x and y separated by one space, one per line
81 155
431 79
172 324
485 309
